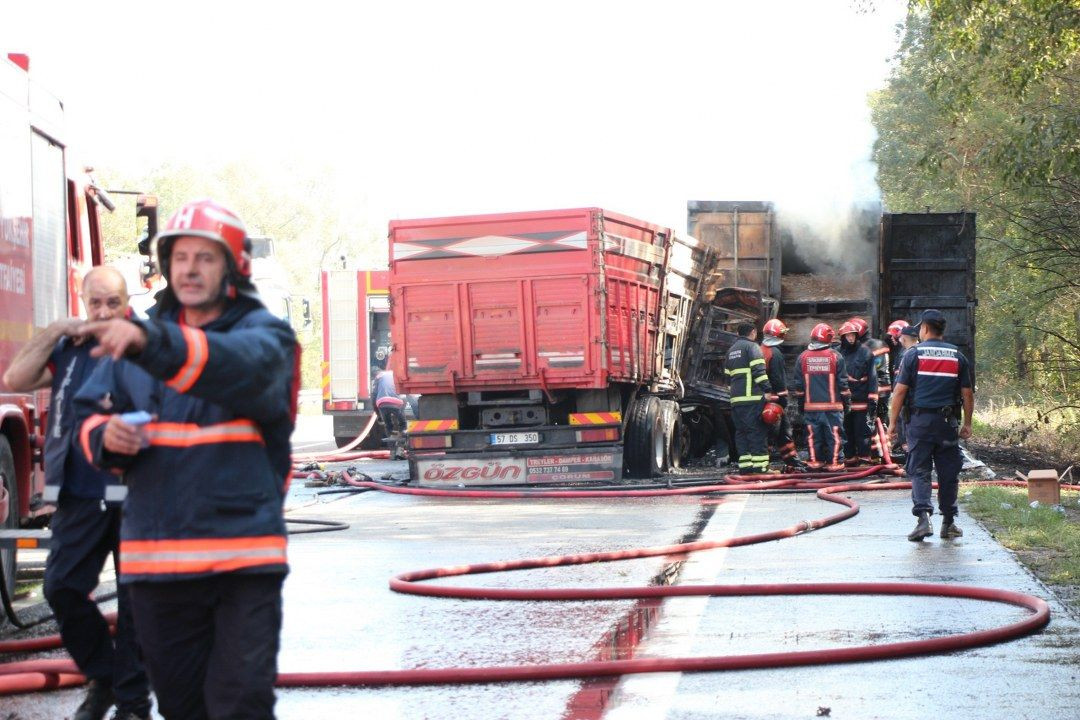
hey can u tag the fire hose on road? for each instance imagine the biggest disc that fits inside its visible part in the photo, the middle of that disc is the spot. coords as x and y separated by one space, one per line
33 675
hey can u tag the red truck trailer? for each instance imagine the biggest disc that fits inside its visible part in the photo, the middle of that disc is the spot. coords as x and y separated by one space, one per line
356 338
49 236
545 346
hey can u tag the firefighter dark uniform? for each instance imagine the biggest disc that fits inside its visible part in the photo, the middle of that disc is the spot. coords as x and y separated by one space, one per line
749 384
820 383
85 532
883 369
202 542
934 371
862 381
780 436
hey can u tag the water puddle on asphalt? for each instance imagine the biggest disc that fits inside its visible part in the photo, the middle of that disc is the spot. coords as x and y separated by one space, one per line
622 640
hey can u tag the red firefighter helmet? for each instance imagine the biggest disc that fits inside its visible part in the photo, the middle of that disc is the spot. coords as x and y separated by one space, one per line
861 326
848 327
771 413
210 220
822 335
773 332
895 327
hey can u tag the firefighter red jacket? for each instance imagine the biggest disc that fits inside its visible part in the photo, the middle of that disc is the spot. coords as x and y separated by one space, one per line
205 495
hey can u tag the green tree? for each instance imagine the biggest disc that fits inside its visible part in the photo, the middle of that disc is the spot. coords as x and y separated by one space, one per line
982 112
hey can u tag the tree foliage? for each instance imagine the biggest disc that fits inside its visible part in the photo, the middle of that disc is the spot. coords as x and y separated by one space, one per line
982 112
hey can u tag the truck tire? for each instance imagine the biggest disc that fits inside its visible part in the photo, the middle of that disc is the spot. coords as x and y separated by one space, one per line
10 483
678 440
646 441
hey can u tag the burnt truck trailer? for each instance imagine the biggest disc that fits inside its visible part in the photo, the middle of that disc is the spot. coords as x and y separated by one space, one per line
564 346
879 266
546 347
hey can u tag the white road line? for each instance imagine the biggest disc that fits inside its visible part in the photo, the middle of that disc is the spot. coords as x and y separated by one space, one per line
674 635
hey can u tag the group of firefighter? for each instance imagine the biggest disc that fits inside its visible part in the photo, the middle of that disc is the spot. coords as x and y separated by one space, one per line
841 387
912 383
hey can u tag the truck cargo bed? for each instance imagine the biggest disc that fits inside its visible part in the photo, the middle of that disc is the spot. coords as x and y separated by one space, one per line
534 300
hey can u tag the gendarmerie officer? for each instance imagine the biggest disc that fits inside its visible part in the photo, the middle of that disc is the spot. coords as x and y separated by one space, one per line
934 381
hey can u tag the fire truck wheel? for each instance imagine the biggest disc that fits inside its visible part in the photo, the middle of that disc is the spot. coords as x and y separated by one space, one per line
7 476
646 441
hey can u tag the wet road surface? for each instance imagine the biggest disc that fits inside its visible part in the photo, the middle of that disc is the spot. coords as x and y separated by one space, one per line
340 615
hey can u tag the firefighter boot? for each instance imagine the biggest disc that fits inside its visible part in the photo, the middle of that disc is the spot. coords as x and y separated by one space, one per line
949 529
923 529
99 698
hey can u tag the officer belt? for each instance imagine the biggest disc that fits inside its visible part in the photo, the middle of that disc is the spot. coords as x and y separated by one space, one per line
931 411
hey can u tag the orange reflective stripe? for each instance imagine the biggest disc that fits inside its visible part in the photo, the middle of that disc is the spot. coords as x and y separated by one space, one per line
84 434
144 557
198 353
432 425
165 434
823 406
201 544
595 418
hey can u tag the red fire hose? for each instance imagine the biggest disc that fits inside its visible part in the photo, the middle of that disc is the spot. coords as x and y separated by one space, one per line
36 675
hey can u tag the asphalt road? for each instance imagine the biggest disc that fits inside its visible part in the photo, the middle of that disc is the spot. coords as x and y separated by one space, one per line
340 614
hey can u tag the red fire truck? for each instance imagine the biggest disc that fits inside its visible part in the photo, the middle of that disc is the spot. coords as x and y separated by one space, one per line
49 236
356 339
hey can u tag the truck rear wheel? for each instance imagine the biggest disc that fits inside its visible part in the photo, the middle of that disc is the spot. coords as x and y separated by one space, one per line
10 483
646 439
678 439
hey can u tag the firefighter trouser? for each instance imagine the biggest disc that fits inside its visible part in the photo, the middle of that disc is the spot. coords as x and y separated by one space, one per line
884 400
84 534
780 438
823 438
933 441
211 644
856 434
751 436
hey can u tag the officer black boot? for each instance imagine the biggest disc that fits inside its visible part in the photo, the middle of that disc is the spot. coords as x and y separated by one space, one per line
99 698
949 529
923 529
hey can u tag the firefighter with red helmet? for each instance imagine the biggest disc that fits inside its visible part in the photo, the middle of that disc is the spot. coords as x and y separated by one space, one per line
748 383
780 437
862 381
206 464
820 384
893 335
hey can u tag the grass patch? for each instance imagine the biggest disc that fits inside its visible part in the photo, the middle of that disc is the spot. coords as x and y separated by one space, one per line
1045 538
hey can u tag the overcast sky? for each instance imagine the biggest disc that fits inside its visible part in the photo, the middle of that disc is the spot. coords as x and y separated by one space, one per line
430 108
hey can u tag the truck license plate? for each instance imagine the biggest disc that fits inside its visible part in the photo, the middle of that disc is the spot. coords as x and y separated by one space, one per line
515 438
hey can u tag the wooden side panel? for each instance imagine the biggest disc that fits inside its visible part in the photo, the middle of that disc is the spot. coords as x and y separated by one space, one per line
562 333
431 344
498 329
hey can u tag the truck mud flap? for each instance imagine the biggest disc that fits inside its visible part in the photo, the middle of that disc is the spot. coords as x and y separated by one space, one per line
538 467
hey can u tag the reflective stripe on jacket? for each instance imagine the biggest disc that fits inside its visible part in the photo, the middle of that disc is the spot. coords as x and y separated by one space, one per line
821 380
205 494
861 376
745 369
